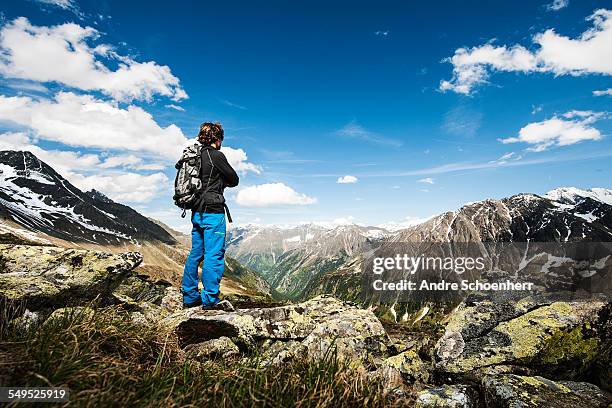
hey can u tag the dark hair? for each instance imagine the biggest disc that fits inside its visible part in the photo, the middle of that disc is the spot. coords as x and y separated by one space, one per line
210 133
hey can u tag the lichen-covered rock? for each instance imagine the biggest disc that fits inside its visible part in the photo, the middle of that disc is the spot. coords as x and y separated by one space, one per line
275 352
409 365
320 325
446 396
523 391
223 347
40 277
563 337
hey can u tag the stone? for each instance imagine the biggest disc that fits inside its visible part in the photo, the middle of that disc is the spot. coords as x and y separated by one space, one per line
40 277
409 365
511 390
446 396
551 336
321 326
223 347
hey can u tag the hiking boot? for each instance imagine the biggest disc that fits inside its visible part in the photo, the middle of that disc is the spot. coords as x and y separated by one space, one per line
192 304
224 305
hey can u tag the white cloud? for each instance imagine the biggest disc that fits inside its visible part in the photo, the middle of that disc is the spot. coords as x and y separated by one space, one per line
63 54
64 4
603 92
233 105
588 54
426 180
557 5
407 222
348 179
271 194
118 185
237 158
505 158
175 107
121 161
64 162
572 127
82 120
354 130
124 187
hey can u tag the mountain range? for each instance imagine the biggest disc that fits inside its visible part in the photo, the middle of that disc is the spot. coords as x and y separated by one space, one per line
38 205
307 260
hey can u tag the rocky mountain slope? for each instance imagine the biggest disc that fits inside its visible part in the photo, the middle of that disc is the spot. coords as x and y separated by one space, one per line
291 257
35 196
566 215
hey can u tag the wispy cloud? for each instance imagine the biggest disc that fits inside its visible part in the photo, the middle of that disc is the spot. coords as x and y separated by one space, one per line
354 130
462 121
382 33
603 92
175 107
426 180
69 5
557 5
232 104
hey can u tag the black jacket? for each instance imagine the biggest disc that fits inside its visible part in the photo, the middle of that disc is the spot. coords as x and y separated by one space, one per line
221 176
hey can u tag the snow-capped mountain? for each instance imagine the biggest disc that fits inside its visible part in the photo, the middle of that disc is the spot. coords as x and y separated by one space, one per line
36 197
563 215
308 259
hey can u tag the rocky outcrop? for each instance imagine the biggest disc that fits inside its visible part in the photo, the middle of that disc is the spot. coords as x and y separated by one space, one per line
38 280
556 337
522 391
44 276
311 329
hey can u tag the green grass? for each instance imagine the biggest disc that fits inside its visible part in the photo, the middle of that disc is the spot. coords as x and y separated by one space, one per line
106 360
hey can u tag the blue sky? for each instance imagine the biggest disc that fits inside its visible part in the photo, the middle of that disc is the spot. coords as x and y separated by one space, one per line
426 105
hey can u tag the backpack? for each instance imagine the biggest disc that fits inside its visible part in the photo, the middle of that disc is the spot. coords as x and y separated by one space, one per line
188 184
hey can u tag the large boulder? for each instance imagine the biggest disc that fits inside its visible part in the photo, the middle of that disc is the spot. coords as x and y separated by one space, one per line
551 335
311 329
37 277
524 391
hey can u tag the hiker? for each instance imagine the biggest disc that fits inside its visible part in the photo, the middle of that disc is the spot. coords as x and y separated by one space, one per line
208 220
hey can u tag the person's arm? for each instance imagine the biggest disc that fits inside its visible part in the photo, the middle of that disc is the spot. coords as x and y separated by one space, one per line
229 175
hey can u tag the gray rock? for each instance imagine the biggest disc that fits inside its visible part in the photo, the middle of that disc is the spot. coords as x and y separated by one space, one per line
551 336
222 347
446 396
322 325
522 391
51 277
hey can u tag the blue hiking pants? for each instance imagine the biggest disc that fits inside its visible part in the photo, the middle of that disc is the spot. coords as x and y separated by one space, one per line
208 244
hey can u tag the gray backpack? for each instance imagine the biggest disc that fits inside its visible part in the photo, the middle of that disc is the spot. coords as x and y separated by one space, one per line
188 184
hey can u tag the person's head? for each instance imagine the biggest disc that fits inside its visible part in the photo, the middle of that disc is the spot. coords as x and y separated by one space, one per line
211 134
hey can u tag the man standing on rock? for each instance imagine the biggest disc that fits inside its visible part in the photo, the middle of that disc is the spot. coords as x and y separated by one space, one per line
208 220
